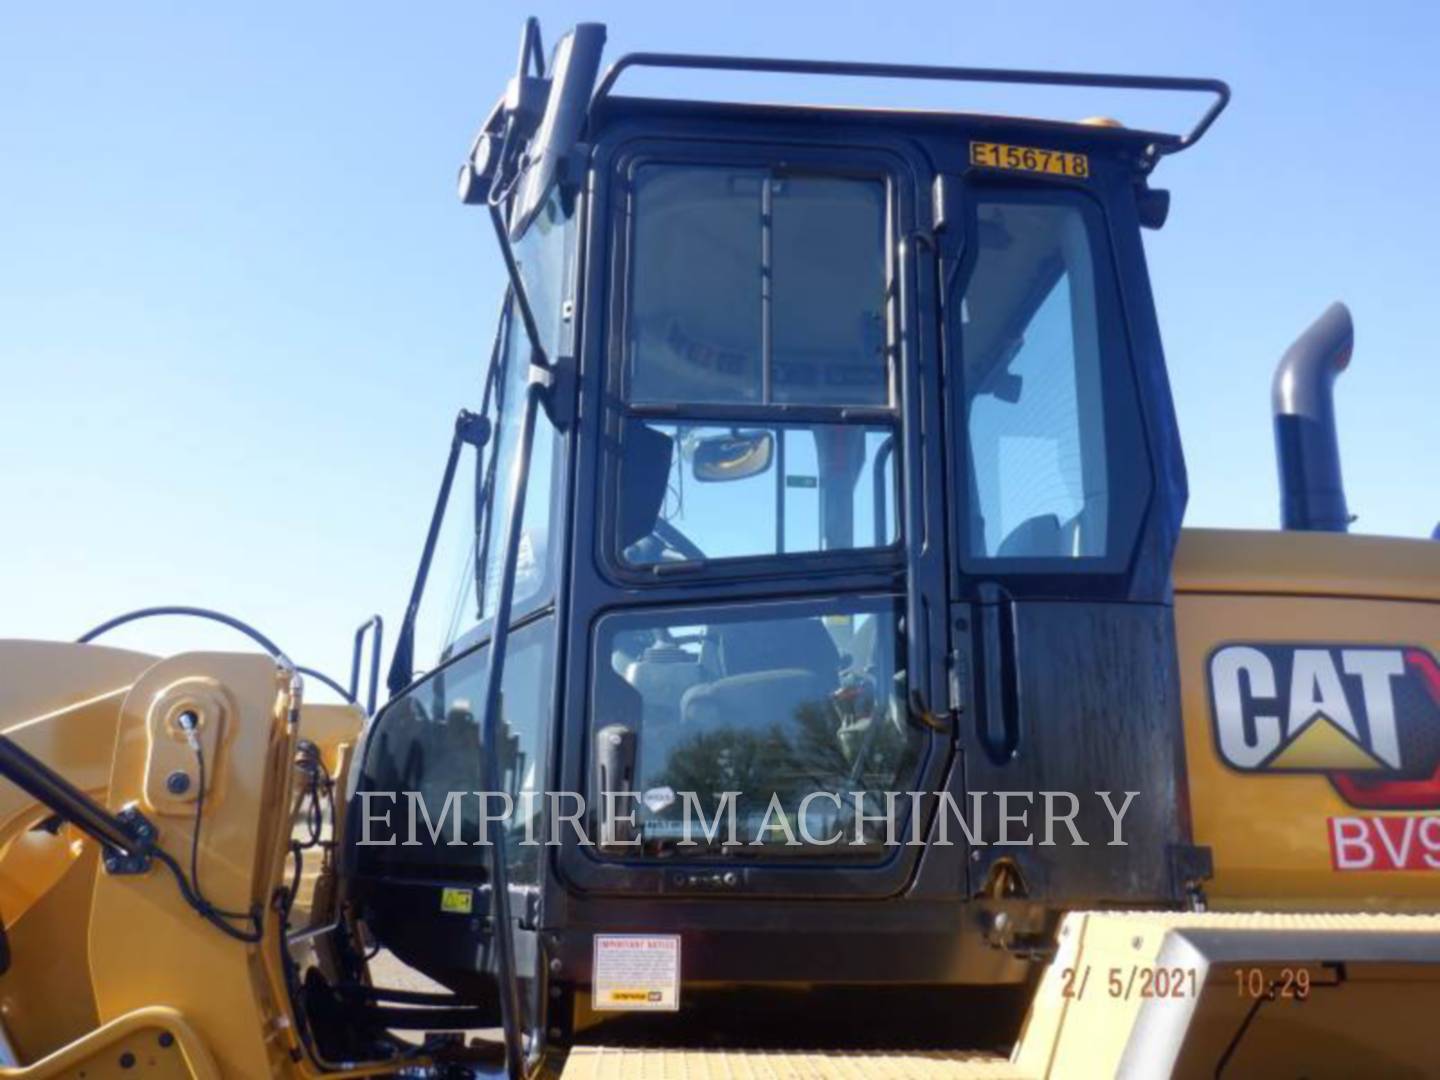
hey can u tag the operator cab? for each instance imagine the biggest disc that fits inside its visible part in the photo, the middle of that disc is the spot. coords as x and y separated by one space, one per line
848 484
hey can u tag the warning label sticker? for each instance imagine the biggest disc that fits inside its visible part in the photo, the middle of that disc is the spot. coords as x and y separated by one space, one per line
636 972
457 901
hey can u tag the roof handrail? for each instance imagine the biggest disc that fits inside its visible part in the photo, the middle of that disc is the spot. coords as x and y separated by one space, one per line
865 69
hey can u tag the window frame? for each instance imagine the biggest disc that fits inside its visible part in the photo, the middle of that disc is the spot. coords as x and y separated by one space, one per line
1126 425
865 163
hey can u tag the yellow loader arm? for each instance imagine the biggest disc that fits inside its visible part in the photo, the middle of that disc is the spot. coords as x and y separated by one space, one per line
113 965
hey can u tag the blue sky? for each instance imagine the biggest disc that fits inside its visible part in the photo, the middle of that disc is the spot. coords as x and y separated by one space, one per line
240 304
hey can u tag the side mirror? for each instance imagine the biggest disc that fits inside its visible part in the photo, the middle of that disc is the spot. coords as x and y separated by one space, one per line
572 79
737 456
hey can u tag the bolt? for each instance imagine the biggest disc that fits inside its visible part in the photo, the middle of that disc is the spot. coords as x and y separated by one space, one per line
731 878
166 1039
127 1060
188 720
178 782
1000 922
556 966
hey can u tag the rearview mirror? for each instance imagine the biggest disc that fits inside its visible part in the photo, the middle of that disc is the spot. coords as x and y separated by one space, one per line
737 456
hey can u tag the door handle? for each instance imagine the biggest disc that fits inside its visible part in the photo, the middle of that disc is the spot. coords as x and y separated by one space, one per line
917 633
998 719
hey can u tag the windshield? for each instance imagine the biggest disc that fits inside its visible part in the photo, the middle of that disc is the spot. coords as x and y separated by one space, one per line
467 556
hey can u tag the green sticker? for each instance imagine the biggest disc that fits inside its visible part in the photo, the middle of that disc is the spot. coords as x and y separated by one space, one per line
457 901
802 481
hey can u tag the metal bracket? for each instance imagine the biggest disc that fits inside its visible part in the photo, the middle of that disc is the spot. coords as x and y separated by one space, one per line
558 390
472 429
136 862
1190 866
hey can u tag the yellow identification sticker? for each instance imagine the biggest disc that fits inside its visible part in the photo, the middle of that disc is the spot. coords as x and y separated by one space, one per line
457 901
1029 159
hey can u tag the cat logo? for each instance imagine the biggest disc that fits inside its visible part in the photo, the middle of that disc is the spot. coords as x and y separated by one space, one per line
1366 716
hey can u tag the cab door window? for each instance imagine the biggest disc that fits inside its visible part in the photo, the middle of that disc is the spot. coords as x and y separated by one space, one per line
747 489
796 710
752 285
754 368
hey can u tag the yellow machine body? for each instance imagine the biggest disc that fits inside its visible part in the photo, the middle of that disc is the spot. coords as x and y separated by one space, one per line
1270 829
112 971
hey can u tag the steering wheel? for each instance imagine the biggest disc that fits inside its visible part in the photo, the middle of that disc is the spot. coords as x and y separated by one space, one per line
676 541
663 538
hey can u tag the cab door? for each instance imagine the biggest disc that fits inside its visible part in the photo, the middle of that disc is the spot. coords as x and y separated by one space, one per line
1066 496
740 624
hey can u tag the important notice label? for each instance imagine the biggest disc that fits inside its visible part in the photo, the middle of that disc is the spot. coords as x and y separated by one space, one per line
636 972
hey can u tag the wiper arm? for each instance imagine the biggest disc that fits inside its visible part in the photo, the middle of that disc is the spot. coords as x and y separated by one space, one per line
471 429
517 290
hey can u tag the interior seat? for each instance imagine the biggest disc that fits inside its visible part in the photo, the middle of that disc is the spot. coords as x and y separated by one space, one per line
771 670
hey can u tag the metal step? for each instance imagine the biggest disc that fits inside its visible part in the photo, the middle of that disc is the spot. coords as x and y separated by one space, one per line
618 1063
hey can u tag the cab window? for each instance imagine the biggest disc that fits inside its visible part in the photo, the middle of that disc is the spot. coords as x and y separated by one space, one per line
797 710
755 374
426 748
546 256
1058 468
749 285
737 490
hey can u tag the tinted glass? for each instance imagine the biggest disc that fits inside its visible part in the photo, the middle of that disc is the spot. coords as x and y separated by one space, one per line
776 707
827 319
448 605
428 741
817 487
695 321
748 286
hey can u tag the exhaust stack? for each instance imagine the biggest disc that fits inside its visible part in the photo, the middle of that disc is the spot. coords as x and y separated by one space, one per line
1312 494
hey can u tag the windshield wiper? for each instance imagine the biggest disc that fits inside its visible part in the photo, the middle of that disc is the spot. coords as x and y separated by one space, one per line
471 430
